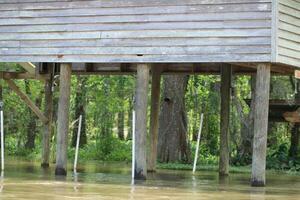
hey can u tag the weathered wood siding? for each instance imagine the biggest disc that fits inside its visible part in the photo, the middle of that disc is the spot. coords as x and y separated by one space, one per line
288 50
135 30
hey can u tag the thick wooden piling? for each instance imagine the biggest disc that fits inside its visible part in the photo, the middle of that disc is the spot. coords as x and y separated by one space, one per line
141 121
261 112
63 119
154 118
49 114
226 73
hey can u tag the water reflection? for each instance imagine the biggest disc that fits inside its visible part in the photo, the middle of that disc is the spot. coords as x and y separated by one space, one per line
223 180
25 180
1 181
258 193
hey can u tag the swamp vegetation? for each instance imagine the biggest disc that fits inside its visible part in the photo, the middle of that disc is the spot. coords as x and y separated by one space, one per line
106 104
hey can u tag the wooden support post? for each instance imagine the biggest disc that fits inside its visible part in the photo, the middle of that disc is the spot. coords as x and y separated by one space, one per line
63 119
226 74
27 100
141 121
261 113
48 126
154 118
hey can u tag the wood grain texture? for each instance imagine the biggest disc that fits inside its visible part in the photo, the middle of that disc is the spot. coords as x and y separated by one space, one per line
47 129
141 103
261 113
63 119
137 31
154 118
226 76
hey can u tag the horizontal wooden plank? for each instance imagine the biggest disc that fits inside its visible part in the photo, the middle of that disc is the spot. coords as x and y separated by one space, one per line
75 12
289 44
115 3
137 50
143 42
289 27
291 3
249 24
254 24
9 43
30 1
137 18
138 34
289 19
293 11
288 35
293 53
288 60
142 59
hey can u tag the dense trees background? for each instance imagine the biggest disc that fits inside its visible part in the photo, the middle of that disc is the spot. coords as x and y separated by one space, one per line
106 104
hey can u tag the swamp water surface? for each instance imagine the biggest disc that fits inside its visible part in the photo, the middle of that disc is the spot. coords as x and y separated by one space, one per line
26 180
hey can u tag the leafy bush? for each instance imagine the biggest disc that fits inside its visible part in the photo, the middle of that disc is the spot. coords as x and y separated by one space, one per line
106 149
278 159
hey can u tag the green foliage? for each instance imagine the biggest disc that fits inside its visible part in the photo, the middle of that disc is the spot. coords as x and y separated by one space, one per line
107 149
109 95
12 149
278 159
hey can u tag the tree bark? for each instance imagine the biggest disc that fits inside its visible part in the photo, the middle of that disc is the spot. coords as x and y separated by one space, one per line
121 119
247 120
225 119
141 121
129 120
261 114
295 138
32 121
47 127
63 119
154 121
121 113
80 106
173 143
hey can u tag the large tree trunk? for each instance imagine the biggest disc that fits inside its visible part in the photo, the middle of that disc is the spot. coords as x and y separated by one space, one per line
226 78
31 128
173 137
196 111
121 113
129 120
80 105
295 137
245 147
48 129
121 120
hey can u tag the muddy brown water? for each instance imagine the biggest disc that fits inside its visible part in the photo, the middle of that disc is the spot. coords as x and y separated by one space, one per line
26 180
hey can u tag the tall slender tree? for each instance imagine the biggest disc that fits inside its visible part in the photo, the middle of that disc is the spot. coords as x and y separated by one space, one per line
31 128
121 113
173 142
80 107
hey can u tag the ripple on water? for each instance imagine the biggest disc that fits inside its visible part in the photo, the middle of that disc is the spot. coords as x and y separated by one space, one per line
26 180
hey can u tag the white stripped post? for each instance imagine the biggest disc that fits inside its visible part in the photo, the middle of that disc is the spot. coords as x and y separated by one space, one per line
77 144
133 145
198 144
